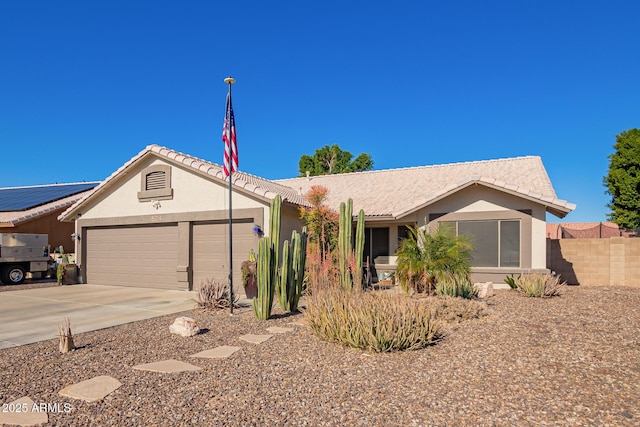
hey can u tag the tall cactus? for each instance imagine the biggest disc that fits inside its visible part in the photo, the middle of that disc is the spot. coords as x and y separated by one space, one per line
291 280
263 303
344 243
359 250
275 220
267 271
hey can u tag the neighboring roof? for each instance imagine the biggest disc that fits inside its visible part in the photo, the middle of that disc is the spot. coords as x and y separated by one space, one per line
38 200
24 198
394 193
242 181
585 230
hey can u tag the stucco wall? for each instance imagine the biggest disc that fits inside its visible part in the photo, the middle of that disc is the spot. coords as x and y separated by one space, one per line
190 193
484 200
606 262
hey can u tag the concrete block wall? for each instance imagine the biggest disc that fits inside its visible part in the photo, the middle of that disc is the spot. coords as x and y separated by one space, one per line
606 262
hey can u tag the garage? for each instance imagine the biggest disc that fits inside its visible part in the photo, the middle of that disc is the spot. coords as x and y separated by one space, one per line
139 256
210 250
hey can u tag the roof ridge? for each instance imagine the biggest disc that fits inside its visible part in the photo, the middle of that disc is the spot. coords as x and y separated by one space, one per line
468 162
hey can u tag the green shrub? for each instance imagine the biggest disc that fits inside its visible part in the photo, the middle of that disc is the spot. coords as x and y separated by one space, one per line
377 321
539 285
456 287
511 281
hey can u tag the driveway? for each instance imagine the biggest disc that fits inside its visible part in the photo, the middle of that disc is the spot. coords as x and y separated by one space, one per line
33 315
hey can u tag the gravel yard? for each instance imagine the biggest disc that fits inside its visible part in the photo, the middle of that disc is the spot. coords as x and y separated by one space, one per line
572 360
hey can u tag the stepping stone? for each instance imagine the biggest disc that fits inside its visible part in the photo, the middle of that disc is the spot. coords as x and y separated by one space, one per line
217 353
20 413
92 390
167 366
255 339
279 330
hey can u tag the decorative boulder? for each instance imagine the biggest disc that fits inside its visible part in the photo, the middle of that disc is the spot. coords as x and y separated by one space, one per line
184 326
485 290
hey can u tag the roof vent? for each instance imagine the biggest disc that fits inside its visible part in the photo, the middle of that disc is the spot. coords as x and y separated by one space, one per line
308 175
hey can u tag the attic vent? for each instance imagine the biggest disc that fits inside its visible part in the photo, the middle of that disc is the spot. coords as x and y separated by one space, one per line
155 183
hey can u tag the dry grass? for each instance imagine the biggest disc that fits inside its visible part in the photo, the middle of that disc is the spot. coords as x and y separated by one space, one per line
377 321
214 294
539 285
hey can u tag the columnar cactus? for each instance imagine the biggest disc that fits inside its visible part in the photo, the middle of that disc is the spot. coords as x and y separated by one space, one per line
359 250
344 243
290 283
266 285
275 219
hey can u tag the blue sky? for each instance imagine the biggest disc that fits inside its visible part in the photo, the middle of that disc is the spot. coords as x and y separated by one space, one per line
85 86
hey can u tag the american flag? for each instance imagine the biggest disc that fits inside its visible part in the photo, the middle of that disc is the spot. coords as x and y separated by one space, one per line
229 139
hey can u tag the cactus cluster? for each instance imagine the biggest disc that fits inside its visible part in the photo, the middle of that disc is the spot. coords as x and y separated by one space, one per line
286 281
350 275
266 285
290 283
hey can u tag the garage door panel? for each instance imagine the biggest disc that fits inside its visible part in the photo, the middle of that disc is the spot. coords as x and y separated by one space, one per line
210 251
133 256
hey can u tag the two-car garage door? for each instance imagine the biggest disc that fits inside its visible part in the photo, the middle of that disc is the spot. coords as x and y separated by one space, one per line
133 256
147 256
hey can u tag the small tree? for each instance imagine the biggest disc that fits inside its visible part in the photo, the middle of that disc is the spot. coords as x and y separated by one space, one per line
322 225
623 180
332 159
425 258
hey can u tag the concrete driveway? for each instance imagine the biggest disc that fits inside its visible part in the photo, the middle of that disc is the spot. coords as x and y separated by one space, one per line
33 315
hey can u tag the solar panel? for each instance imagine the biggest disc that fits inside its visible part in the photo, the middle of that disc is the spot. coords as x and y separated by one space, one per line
23 198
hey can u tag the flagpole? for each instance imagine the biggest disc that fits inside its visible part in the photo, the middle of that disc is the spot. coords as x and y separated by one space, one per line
229 81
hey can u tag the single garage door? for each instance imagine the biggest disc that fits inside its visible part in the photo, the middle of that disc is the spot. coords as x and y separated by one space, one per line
210 251
132 256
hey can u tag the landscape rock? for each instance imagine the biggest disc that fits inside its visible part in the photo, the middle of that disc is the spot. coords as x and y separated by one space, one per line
485 289
184 326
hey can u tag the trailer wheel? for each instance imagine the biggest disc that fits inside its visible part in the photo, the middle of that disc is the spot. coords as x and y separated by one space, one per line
13 275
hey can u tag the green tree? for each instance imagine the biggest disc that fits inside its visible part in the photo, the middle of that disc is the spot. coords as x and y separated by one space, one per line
425 258
623 180
332 159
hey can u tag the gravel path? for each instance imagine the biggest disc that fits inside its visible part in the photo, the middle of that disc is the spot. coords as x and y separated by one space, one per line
567 361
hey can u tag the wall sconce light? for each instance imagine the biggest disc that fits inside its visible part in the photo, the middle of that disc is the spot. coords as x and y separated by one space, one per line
75 237
257 230
156 204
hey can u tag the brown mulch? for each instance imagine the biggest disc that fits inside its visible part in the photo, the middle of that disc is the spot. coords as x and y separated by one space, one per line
572 360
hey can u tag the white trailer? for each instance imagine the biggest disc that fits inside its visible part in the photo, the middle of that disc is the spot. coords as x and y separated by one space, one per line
21 254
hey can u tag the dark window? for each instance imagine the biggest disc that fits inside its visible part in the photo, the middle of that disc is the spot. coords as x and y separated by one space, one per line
496 242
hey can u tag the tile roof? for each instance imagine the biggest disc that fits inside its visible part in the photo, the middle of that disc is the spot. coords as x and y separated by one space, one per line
391 193
241 181
394 193
13 218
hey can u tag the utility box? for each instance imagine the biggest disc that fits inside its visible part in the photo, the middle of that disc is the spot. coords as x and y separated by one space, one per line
21 253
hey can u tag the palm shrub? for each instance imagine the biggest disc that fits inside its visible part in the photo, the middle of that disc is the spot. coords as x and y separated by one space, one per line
377 321
424 258
539 285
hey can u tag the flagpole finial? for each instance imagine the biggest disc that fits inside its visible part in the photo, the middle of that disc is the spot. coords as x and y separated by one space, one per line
229 80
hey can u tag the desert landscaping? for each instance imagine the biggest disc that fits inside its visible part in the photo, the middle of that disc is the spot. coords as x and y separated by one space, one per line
571 360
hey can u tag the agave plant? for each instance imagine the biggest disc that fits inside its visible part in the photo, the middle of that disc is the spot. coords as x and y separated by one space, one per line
426 257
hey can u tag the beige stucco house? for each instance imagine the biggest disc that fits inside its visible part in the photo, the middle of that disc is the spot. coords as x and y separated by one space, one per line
161 220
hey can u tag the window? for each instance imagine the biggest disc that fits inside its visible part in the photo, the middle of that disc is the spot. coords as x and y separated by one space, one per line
496 242
155 183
